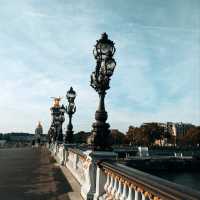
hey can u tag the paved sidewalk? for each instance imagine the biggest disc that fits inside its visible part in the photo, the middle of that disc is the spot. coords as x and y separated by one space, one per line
76 188
32 174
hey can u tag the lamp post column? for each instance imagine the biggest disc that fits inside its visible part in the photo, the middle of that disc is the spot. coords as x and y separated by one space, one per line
70 110
69 132
100 79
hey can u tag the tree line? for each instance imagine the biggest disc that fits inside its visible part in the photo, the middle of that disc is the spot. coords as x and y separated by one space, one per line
148 134
145 135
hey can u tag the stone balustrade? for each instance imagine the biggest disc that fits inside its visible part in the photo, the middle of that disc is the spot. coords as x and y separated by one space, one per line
109 180
125 183
73 159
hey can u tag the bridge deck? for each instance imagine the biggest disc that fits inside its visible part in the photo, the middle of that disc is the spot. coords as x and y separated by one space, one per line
32 174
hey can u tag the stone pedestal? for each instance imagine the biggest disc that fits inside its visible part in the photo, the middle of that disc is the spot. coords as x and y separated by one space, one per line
58 152
92 188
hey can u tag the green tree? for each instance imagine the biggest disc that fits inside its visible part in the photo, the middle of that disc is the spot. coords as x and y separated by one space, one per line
137 136
192 137
117 137
154 131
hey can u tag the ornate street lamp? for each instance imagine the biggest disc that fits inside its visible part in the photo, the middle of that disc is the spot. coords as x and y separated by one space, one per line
58 118
100 79
70 110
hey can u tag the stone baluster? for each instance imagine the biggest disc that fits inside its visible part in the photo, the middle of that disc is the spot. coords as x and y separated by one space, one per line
145 196
61 155
107 181
139 196
57 149
130 192
136 194
102 181
54 149
65 154
75 161
106 186
115 186
111 184
70 159
124 193
119 191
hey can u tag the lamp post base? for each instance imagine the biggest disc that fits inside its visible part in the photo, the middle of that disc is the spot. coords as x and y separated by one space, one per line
69 136
101 137
59 139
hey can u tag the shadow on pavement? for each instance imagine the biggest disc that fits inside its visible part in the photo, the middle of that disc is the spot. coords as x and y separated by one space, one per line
30 174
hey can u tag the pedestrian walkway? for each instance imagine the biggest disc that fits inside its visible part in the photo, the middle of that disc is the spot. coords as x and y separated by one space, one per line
32 174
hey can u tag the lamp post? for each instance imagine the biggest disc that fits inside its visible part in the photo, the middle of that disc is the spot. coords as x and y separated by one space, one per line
58 118
100 79
70 110
51 134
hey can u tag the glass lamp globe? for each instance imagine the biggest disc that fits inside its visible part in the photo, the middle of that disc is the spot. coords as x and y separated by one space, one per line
71 94
110 66
104 46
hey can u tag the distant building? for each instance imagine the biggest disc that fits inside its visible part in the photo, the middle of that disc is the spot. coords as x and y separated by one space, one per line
38 131
151 123
178 129
171 131
39 136
90 139
20 137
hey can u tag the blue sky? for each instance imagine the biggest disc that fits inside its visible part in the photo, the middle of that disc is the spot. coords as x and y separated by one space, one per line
46 47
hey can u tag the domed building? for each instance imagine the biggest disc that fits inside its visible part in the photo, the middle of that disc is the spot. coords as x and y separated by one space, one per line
38 132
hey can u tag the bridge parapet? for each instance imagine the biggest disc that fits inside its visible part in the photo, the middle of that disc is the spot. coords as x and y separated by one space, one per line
74 161
102 178
125 183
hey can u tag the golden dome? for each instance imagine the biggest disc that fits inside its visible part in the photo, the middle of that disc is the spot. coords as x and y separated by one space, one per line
39 125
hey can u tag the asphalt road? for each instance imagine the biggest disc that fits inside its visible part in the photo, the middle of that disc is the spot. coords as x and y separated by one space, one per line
31 174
